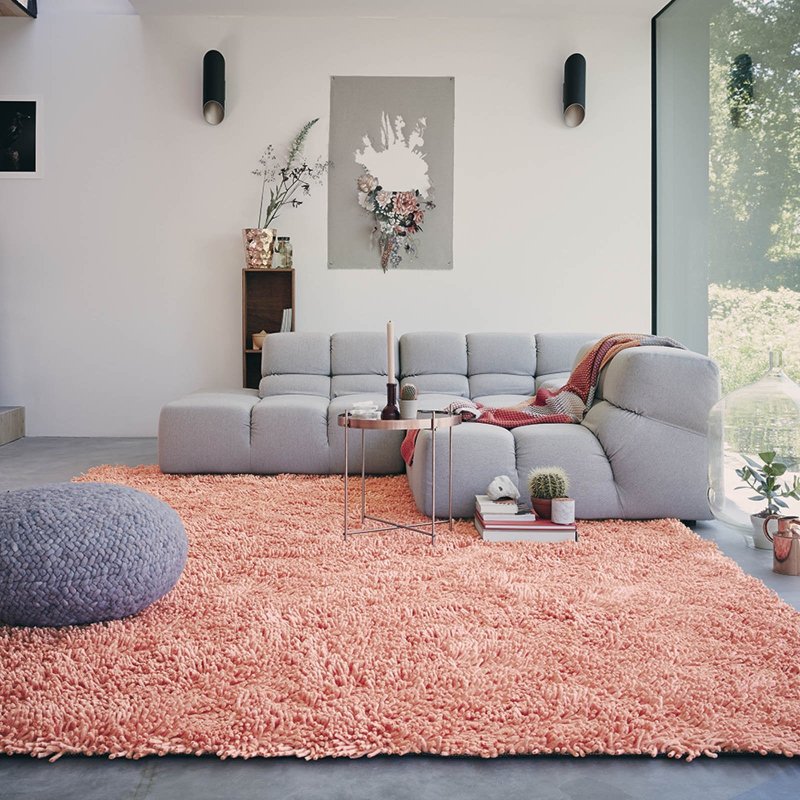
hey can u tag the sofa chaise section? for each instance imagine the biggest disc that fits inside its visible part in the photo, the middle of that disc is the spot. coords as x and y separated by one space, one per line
291 423
207 431
641 451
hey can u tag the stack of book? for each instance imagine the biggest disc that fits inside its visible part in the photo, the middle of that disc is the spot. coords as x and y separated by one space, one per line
505 521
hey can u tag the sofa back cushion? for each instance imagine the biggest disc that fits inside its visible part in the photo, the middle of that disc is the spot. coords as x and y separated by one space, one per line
475 365
501 363
296 363
358 363
435 362
555 352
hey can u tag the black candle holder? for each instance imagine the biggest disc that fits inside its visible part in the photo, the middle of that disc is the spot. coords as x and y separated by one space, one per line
391 411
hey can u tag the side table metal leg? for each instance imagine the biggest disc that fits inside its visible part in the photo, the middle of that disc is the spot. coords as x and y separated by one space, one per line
346 458
450 478
433 477
363 479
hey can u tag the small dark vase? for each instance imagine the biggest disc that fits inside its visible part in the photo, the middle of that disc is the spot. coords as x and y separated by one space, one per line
391 411
542 508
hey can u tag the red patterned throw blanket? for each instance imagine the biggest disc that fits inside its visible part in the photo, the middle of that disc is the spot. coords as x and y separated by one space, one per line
567 404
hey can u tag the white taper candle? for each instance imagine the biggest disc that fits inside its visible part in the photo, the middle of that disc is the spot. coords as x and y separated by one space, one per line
390 373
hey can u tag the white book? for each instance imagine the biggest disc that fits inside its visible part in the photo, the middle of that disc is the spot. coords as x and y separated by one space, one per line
504 520
486 505
526 534
286 321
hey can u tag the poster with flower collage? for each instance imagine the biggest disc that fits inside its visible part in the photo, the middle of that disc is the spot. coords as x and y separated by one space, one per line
390 193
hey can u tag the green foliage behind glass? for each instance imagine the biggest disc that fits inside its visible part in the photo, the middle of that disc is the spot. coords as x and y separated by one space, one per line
754 158
744 325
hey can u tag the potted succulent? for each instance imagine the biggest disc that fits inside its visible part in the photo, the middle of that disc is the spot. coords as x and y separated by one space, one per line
283 180
408 401
544 485
763 479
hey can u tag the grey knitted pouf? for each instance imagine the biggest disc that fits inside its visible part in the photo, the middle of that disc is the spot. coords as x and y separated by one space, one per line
84 552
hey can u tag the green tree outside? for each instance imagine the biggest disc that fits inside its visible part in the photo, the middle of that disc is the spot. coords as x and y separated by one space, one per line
754 187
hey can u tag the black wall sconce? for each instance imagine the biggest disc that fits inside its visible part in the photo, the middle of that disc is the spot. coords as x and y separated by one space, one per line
574 90
213 87
740 88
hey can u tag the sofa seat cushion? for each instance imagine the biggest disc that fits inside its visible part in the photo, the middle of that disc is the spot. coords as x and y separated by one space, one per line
503 400
498 383
434 401
383 447
552 381
577 450
290 434
276 385
207 431
480 453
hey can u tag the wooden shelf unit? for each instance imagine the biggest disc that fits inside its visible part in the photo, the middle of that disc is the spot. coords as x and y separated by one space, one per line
265 293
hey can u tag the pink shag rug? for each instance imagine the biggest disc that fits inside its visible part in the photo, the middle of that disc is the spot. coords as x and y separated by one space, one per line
282 639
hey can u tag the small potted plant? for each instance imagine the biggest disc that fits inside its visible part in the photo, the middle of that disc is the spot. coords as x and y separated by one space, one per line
544 485
408 401
763 479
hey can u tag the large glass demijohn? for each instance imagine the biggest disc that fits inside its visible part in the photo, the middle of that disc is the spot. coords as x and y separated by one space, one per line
761 417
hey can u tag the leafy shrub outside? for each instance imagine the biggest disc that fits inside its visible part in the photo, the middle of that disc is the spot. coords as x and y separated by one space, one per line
744 325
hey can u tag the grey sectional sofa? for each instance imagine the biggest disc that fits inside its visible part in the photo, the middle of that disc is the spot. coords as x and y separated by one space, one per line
640 452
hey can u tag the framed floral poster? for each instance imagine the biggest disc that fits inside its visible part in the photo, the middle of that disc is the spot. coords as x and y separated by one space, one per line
19 149
390 189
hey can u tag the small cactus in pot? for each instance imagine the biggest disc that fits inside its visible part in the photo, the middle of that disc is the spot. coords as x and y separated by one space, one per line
545 484
408 401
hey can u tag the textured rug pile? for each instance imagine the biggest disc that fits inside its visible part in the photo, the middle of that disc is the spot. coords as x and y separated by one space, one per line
282 639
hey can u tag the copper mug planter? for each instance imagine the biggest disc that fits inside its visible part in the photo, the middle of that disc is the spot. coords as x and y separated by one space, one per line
785 544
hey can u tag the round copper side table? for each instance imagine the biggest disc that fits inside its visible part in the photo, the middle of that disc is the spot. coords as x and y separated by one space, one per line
426 420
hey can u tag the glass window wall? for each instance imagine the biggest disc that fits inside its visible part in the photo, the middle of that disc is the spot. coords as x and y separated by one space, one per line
727 181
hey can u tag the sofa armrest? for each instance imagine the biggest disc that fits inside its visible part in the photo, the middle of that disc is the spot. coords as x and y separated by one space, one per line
676 387
651 420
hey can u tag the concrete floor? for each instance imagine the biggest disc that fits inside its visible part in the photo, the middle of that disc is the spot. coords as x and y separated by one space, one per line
34 461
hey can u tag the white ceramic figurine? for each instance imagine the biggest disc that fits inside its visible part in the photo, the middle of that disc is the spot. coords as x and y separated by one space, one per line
502 486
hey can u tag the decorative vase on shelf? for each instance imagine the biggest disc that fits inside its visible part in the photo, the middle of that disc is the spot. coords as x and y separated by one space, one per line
259 245
762 417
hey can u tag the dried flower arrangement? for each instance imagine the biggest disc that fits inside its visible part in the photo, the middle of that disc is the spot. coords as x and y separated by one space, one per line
285 178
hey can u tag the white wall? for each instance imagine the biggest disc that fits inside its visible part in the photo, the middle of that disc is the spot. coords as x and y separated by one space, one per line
120 267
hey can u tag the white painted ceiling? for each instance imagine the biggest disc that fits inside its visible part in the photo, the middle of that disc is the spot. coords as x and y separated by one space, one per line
398 8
